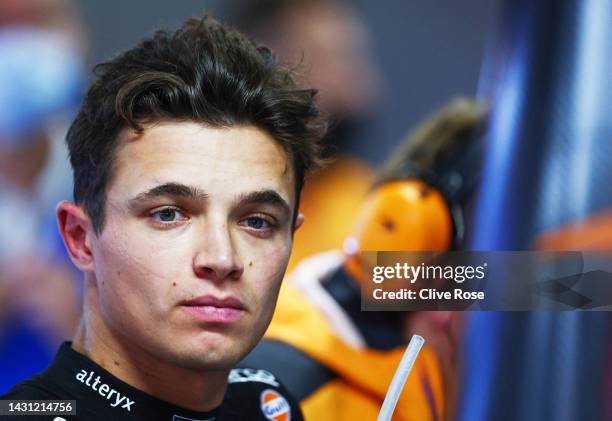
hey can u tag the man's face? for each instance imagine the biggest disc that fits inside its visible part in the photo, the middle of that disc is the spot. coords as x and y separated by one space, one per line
197 236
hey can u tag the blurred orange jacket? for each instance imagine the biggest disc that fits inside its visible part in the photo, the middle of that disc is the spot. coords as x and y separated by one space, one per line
362 375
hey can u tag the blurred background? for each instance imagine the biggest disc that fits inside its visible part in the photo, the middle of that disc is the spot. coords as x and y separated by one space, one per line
422 52
381 67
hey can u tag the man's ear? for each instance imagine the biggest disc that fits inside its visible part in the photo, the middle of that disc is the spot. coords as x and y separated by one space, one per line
299 220
76 230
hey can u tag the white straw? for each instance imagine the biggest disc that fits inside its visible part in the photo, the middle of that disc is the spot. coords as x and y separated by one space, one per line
400 376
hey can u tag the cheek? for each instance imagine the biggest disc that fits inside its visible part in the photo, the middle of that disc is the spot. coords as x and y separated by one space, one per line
265 270
134 272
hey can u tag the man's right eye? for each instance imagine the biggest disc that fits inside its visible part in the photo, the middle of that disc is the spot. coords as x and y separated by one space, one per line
168 216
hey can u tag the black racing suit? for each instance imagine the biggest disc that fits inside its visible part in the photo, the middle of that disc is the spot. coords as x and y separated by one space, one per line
251 395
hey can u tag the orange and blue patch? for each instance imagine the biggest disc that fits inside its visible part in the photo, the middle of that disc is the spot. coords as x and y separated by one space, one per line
274 406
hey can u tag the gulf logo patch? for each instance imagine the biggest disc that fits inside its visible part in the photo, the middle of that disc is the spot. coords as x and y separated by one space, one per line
274 406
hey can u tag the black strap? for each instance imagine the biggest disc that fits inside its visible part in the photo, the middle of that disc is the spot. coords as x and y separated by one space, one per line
300 373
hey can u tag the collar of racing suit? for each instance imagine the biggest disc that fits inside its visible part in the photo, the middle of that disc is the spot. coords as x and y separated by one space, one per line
99 391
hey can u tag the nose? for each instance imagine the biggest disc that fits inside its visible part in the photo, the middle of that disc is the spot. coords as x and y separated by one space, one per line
216 258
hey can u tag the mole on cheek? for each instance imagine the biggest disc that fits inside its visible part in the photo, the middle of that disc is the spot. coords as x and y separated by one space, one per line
173 284
250 263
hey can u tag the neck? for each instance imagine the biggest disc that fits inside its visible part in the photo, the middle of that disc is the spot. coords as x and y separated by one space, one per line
189 388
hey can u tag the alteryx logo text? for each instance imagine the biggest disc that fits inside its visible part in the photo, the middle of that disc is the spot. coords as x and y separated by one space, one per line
114 397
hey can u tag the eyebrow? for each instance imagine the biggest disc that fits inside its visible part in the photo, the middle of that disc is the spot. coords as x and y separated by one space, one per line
269 197
170 189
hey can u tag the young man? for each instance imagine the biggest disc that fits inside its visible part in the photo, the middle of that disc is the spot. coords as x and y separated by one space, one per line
189 154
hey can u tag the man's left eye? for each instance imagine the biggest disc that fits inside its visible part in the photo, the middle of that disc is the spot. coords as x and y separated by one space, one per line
257 223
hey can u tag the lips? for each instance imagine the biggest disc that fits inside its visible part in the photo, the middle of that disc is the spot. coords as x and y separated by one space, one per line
213 309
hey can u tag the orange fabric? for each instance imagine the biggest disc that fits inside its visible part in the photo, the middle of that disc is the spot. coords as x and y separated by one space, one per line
330 201
594 233
365 374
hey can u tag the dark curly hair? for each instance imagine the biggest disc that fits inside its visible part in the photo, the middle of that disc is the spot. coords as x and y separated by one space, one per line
205 72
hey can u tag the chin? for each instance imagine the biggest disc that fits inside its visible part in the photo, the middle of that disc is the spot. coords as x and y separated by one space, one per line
212 360
213 352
